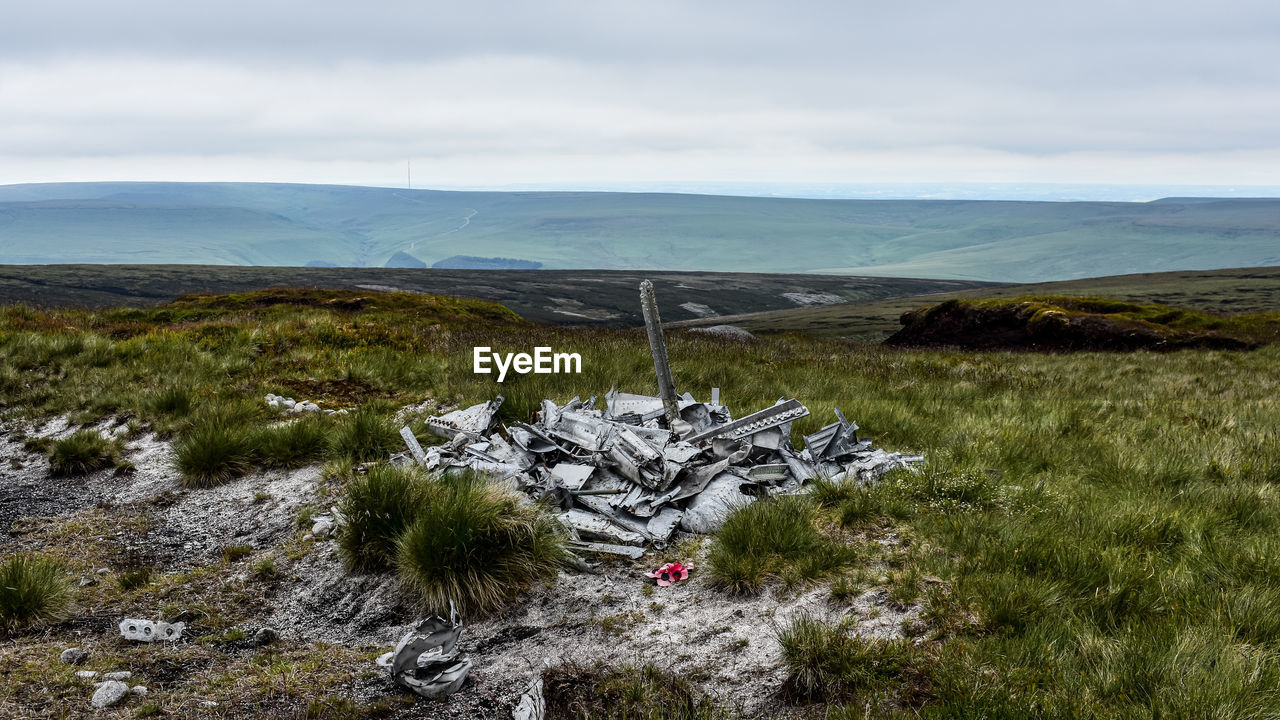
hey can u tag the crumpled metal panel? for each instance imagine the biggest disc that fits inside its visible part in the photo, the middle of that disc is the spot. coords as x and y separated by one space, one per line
475 420
571 476
590 525
783 412
427 660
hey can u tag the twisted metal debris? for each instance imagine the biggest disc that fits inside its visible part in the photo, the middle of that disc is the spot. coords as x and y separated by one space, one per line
427 660
630 473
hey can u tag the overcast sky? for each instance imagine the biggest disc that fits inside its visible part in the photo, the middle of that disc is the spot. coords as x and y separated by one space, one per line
573 93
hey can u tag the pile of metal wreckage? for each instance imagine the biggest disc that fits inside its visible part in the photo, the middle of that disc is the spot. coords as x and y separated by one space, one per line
630 473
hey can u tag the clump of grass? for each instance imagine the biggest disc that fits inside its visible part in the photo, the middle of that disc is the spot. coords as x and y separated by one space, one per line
265 569
624 693
379 507
33 590
476 544
825 663
83 452
773 538
364 435
37 444
173 401
134 578
209 455
292 445
235 553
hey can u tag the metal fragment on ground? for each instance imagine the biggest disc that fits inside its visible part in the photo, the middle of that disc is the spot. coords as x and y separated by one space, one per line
427 660
532 705
707 510
755 422
475 420
139 630
590 525
571 476
630 551
663 525
414 447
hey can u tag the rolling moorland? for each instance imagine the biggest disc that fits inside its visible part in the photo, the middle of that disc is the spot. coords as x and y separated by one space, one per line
553 297
1093 535
298 225
1223 292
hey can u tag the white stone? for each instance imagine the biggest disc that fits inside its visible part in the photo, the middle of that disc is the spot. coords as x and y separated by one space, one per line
323 527
109 693
118 675
87 674
73 656
139 690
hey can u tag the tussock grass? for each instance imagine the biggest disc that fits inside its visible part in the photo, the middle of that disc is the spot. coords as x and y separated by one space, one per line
364 435
623 693
476 544
83 452
776 537
33 590
209 455
293 444
826 663
379 507
171 401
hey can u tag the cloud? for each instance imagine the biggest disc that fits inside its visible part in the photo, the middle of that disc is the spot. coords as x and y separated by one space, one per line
564 92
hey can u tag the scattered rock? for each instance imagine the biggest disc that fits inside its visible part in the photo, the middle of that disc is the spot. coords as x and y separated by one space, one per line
728 332
109 693
87 581
323 526
73 656
140 690
265 636
118 675
87 674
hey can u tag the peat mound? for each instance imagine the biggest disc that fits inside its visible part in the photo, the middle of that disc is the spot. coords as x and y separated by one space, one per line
1066 324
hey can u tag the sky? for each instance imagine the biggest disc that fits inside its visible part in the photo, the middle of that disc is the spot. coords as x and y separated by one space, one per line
652 94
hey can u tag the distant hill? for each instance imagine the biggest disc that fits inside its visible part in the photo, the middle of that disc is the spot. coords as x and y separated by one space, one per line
403 260
321 225
470 262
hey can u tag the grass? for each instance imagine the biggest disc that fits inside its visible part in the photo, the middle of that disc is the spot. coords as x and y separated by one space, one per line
776 537
826 663
1105 526
476 544
293 444
379 507
33 590
364 435
83 452
210 455
624 693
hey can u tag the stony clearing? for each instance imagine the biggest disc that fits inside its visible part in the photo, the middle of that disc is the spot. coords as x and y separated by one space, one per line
208 550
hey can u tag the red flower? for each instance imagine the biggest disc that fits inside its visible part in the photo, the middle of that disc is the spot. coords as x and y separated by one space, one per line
670 573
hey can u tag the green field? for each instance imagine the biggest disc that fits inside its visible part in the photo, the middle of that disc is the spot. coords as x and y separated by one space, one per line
1224 292
296 225
1094 535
